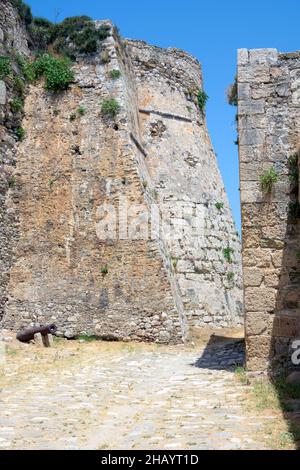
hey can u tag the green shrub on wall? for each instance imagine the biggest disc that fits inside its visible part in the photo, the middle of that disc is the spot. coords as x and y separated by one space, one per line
232 93
78 35
115 74
219 205
5 67
202 99
268 179
20 133
110 108
24 11
16 105
228 252
71 37
57 72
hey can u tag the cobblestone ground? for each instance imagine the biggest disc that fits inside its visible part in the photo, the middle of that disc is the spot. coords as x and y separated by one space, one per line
124 396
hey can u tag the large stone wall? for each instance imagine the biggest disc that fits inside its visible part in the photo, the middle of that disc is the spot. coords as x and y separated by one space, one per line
186 181
69 172
269 135
116 221
13 41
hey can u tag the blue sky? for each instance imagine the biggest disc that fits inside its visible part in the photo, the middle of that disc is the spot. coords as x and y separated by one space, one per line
210 30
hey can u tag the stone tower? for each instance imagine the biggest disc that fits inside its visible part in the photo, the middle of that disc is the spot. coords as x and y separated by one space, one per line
269 140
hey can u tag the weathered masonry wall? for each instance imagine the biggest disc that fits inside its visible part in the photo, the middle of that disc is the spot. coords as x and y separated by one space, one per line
116 227
13 41
186 183
68 173
269 117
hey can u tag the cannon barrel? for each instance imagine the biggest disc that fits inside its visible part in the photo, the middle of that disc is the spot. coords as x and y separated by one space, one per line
28 334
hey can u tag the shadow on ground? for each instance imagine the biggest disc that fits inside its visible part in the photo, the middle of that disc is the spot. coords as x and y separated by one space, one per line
222 353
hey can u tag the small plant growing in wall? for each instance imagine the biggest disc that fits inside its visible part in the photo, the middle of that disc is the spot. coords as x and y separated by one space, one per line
104 270
268 179
19 87
16 105
175 263
110 108
20 133
230 276
202 98
115 74
81 111
219 205
227 253
5 67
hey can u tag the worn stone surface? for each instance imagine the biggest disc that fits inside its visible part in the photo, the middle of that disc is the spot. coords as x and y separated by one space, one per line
13 41
269 115
134 396
76 177
182 170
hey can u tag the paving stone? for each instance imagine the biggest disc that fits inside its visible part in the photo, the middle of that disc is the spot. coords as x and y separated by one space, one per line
101 398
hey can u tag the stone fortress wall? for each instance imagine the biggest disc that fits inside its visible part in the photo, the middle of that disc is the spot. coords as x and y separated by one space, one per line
13 41
269 138
73 176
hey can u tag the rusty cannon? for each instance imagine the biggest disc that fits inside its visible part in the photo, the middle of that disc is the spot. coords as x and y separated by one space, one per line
40 334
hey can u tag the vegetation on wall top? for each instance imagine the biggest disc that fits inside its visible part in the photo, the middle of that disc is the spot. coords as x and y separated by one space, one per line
24 11
71 37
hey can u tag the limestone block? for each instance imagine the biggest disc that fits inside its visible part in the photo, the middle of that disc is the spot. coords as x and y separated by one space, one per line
258 323
296 97
252 136
261 91
283 89
253 277
277 258
38 339
260 299
250 170
243 56
258 352
251 238
2 92
272 278
273 231
244 91
251 192
263 56
185 266
250 154
257 121
251 107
